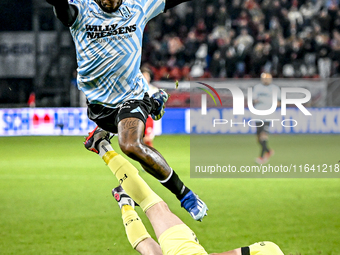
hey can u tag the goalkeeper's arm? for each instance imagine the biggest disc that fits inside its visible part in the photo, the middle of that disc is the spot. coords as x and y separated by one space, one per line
172 3
66 13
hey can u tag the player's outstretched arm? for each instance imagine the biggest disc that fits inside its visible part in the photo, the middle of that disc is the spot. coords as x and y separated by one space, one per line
172 3
65 12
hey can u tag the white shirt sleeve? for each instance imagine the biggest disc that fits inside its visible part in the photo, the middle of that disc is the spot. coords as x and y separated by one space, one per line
152 8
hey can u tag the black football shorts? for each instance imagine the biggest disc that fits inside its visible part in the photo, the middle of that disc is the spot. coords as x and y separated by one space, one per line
108 118
263 128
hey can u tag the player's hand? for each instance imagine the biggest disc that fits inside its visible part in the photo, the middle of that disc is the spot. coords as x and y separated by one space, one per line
160 115
160 98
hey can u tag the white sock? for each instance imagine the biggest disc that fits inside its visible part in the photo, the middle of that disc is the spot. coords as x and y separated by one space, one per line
104 146
168 178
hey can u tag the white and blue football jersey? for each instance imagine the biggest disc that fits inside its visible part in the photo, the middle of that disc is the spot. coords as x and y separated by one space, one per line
263 94
109 48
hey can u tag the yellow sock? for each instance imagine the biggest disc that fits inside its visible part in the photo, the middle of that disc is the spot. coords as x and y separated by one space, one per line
130 180
134 227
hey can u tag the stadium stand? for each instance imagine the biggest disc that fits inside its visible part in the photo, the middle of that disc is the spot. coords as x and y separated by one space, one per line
242 38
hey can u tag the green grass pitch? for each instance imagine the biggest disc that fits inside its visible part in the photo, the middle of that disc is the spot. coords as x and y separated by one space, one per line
55 198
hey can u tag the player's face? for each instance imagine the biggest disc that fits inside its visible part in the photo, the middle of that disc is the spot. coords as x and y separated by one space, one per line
266 78
110 5
266 81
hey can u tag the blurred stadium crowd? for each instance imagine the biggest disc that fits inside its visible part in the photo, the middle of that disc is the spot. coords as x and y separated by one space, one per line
242 38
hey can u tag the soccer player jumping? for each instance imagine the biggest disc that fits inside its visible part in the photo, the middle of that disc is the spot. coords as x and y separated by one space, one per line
108 39
263 101
174 237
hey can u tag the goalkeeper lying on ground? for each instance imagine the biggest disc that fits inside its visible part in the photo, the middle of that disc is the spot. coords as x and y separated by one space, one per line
174 237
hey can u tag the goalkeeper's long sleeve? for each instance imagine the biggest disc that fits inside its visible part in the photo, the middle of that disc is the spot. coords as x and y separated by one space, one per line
65 12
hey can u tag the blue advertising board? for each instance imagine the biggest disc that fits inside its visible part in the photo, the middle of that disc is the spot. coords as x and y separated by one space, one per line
74 121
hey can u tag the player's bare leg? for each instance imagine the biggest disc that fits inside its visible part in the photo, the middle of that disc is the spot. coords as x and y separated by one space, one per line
162 218
149 247
266 153
131 131
233 252
130 135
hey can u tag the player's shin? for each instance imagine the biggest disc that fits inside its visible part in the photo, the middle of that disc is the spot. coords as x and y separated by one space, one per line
264 147
175 185
129 178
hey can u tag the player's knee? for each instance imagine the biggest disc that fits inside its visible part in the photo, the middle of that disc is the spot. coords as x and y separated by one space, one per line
127 148
131 149
151 251
149 247
263 136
